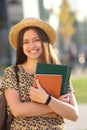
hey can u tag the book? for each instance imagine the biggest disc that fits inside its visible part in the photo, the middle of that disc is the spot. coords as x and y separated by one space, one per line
50 83
54 69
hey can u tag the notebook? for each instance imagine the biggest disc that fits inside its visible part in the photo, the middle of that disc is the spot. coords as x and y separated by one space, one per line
54 69
50 83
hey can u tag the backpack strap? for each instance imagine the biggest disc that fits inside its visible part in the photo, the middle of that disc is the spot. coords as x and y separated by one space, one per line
16 72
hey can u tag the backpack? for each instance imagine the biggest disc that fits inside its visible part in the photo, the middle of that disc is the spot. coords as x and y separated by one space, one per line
5 118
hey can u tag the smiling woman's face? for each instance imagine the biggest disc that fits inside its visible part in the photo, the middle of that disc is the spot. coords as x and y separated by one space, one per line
32 46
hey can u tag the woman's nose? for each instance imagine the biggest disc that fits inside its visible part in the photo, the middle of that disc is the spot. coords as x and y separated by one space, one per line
31 44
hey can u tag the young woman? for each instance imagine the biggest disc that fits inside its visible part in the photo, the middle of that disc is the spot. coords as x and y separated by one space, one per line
33 38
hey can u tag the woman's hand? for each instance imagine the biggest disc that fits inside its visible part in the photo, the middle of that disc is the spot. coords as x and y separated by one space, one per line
38 94
65 98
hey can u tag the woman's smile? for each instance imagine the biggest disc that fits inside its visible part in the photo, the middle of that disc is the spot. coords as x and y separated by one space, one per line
33 51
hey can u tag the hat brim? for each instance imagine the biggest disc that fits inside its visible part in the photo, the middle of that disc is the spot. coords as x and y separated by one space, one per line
51 33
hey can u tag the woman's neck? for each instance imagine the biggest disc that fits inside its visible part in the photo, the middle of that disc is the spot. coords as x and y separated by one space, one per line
30 66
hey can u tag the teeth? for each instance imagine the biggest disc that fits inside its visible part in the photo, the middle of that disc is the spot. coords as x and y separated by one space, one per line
33 51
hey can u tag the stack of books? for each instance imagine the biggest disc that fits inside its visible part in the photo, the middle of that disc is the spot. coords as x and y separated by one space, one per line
53 78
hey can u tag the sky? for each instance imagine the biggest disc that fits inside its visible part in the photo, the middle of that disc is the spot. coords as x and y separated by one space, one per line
76 5
82 9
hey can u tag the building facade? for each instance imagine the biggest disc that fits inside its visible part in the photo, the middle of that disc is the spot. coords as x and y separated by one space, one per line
10 13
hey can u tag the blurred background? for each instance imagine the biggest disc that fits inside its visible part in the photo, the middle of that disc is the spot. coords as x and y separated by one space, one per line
69 19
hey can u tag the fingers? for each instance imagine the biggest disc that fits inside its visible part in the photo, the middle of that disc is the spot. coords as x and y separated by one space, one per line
37 83
65 98
66 95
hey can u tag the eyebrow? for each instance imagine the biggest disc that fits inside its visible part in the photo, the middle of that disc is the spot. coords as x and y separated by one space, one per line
32 38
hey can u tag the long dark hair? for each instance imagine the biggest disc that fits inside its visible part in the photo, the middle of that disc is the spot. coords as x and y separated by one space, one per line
46 57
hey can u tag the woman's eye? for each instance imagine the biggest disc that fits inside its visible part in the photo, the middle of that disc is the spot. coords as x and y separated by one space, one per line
37 39
25 42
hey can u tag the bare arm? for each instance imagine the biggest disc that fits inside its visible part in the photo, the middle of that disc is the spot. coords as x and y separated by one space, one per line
65 109
65 105
19 108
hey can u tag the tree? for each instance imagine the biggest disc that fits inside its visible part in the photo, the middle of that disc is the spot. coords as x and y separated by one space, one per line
67 19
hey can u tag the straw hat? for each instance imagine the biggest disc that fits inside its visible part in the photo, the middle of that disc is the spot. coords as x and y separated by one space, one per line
51 33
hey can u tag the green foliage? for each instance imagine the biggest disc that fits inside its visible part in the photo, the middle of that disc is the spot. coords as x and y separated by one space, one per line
80 87
2 67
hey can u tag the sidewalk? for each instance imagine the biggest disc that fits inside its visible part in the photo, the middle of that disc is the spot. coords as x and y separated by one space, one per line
81 123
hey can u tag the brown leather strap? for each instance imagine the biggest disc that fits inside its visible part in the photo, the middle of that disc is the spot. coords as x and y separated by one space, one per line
16 72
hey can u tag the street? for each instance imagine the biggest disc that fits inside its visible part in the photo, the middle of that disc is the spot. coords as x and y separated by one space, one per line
81 123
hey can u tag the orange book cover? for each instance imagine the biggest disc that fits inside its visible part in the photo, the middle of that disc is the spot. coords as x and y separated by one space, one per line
50 82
